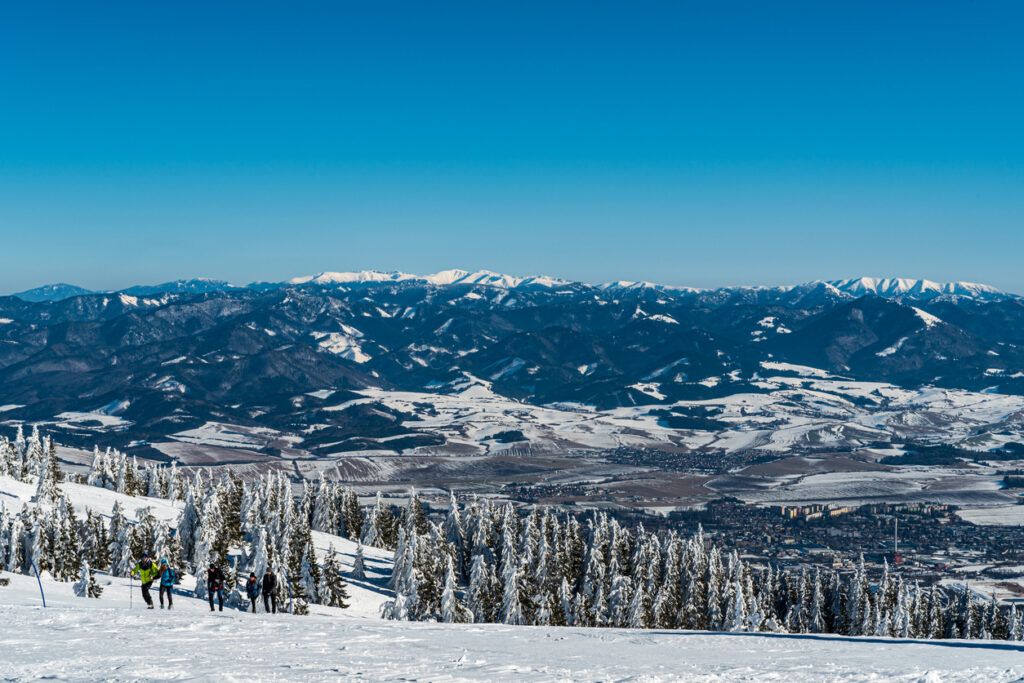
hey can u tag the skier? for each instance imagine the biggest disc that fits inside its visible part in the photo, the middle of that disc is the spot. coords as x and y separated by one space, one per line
167 580
270 591
215 584
252 589
146 570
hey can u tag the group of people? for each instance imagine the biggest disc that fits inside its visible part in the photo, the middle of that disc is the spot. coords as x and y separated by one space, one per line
148 571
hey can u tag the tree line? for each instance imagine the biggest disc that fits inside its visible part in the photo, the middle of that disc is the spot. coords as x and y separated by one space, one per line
480 562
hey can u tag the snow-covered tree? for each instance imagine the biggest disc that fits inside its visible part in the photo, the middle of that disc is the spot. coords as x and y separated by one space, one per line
332 590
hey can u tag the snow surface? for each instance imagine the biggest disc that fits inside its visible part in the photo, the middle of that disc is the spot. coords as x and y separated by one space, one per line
88 639
1007 515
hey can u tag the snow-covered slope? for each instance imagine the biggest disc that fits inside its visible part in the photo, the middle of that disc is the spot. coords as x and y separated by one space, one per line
445 277
87 640
367 594
917 290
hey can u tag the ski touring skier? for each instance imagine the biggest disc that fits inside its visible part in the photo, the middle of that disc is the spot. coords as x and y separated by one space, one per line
252 589
146 570
269 591
168 578
215 585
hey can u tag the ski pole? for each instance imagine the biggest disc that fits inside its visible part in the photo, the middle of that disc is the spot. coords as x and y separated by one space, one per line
131 589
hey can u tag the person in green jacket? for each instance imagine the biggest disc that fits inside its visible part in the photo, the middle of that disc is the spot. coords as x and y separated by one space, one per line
146 570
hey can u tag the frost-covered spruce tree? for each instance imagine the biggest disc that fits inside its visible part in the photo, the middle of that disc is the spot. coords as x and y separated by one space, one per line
1016 630
67 554
453 534
10 536
47 489
8 458
936 615
98 471
206 535
35 459
298 570
402 565
87 586
325 517
512 611
188 525
369 535
479 597
737 609
311 575
859 601
453 611
259 553
351 522
358 564
332 590
816 616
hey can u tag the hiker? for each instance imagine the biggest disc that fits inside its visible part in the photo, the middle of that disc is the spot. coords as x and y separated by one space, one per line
167 580
270 591
252 589
215 584
146 571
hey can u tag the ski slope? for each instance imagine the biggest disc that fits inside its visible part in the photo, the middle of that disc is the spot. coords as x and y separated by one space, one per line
83 639
116 638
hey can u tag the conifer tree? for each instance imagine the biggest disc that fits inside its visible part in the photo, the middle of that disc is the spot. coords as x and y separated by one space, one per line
358 568
452 609
87 586
353 516
332 589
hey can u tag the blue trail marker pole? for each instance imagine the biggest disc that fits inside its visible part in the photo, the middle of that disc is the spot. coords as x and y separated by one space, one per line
39 581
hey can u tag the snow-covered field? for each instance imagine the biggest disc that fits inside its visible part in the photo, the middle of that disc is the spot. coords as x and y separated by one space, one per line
812 410
83 639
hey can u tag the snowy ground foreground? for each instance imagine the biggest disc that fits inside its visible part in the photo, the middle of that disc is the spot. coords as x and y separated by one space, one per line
84 639
115 638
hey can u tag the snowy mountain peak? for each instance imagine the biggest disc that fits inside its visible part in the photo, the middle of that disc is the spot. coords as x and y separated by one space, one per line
454 276
55 292
920 290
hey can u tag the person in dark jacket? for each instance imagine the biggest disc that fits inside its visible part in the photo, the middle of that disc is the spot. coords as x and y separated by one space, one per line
252 589
146 571
270 591
215 584
167 580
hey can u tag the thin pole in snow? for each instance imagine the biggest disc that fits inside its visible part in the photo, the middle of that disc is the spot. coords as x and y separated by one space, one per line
39 581
131 589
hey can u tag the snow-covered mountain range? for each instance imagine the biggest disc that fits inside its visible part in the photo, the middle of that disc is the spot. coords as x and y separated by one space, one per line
894 288
394 375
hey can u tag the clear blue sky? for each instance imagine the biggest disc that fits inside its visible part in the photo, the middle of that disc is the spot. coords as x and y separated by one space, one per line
706 143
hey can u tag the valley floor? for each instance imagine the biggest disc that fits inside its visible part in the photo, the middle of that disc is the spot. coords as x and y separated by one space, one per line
84 639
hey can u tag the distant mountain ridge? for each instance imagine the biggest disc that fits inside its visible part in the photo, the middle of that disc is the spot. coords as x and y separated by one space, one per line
902 289
159 363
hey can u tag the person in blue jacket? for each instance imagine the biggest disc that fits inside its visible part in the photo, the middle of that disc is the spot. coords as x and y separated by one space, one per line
252 589
167 580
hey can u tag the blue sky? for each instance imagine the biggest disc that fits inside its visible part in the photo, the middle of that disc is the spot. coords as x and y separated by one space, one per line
687 143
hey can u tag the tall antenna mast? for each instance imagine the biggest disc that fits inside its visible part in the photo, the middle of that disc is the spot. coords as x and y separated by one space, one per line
896 532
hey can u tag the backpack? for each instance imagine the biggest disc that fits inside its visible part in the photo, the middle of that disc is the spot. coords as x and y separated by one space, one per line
168 578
